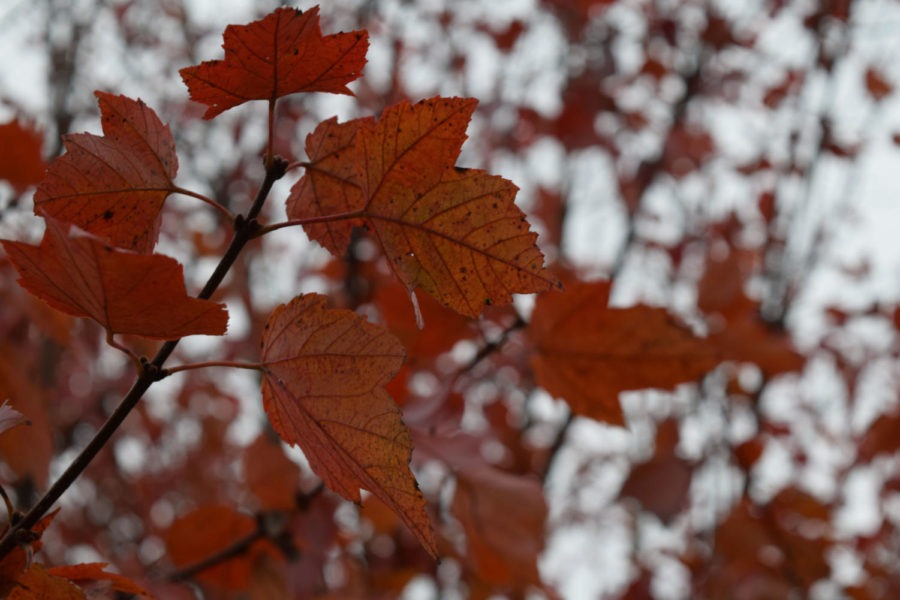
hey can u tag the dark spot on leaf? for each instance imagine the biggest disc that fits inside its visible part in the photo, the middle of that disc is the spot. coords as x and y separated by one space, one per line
108 215
487 301
460 169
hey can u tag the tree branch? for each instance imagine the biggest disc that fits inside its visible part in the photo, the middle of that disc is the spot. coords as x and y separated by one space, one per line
245 228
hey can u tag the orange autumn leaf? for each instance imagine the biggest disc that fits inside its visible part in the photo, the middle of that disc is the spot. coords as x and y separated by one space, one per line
20 155
454 232
38 584
283 53
272 478
323 389
330 185
114 185
14 565
661 484
94 572
125 292
503 516
204 532
586 352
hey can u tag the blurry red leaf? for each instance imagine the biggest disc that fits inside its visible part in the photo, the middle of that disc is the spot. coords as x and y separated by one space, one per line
736 328
114 186
91 572
882 437
125 292
14 564
776 94
38 584
756 557
587 353
454 232
503 517
27 451
207 531
20 155
10 417
687 148
323 389
443 327
877 85
270 475
506 39
283 53
661 484
654 68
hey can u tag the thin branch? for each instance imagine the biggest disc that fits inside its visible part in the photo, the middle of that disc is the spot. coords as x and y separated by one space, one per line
558 442
236 549
215 363
354 214
225 212
152 371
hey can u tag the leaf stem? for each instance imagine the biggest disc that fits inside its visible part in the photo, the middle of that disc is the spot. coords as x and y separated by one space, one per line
269 155
244 230
299 164
215 363
135 359
225 212
353 214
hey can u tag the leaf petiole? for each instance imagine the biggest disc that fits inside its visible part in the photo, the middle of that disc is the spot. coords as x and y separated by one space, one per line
111 340
227 213
354 214
216 363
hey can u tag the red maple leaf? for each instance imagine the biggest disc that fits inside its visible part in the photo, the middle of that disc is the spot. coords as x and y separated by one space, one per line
454 232
283 53
140 294
114 185
20 155
587 353
323 389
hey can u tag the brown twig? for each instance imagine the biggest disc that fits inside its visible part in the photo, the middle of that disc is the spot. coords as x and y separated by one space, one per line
245 228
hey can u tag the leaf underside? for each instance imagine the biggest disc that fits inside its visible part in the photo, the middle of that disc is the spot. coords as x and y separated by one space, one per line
323 390
283 53
114 185
140 294
456 233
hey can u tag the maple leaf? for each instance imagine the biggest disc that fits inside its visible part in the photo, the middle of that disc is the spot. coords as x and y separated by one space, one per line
270 475
330 185
114 185
10 417
456 233
20 155
14 565
283 53
38 584
323 390
91 572
503 516
661 484
125 292
204 532
587 353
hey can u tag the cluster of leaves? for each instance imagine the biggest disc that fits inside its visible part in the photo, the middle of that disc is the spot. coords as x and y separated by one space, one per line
386 199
